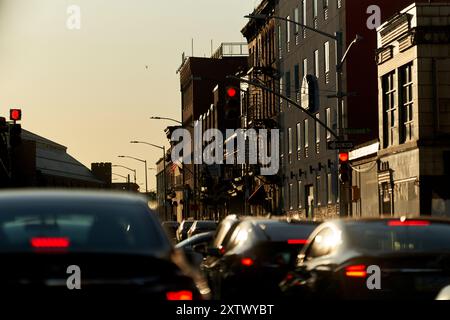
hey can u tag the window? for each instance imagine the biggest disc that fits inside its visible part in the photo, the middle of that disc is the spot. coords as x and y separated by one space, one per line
316 63
315 9
317 125
281 90
407 104
296 19
325 9
290 144
291 206
327 57
297 82
318 187
280 43
330 188
288 32
299 194
306 133
328 122
389 108
288 84
305 67
303 18
299 137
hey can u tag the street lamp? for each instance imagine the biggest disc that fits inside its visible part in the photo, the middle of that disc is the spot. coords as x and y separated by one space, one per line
145 163
168 119
163 148
132 170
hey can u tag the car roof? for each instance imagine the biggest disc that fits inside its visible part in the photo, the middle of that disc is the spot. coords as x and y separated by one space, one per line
390 218
79 196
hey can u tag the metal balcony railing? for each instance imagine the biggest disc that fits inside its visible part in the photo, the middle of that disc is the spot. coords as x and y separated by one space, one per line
231 49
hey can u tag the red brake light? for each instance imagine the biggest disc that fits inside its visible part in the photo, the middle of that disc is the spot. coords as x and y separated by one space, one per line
409 223
297 241
357 271
179 295
247 262
50 243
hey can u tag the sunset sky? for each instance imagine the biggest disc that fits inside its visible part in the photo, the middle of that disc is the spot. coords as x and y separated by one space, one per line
89 89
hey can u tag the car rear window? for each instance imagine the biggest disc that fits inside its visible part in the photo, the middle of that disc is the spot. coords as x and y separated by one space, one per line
287 231
81 228
382 237
206 225
186 225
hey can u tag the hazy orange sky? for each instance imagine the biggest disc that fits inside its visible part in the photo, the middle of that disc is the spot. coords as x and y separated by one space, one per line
89 89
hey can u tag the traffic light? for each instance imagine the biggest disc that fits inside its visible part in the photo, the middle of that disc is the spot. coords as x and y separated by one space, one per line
15 135
232 103
344 167
15 115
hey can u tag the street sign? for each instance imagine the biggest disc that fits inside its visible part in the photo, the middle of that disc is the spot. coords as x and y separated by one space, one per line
340 145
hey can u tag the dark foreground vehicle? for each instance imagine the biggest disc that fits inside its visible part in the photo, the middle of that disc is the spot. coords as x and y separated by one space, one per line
255 258
412 255
114 239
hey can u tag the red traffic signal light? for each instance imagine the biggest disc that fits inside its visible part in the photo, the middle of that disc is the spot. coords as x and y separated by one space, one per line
232 92
343 157
15 114
344 167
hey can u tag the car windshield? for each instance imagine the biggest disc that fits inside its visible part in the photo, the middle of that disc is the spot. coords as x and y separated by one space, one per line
80 228
382 237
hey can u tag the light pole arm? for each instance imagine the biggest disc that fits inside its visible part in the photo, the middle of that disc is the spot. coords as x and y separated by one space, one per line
263 17
309 114
168 119
344 57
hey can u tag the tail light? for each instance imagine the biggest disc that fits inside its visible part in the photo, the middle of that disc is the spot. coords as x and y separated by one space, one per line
50 243
297 241
179 295
408 223
247 262
356 271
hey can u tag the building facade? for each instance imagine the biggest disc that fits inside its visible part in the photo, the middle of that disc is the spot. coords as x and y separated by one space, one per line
414 111
261 108
308 64
198 78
